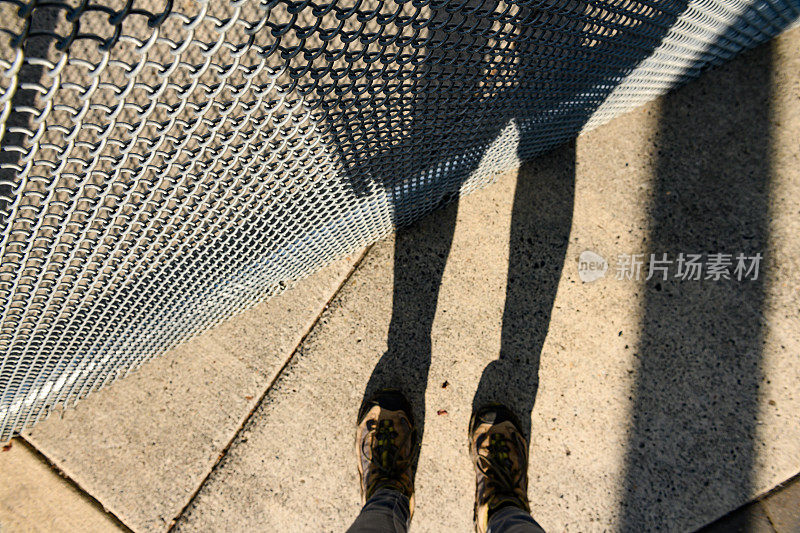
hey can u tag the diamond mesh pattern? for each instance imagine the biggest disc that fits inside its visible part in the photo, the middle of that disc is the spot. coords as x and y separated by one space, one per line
168 163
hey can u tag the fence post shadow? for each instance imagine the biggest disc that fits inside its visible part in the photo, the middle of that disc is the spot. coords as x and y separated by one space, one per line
691 449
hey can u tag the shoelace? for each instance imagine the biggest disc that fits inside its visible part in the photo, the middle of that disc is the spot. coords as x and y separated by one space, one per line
501 480
385 454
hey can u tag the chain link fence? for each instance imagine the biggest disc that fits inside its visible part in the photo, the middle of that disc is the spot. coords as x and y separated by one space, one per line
166 164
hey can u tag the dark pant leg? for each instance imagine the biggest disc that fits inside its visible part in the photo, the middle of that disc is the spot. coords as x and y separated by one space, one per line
386 512
513 520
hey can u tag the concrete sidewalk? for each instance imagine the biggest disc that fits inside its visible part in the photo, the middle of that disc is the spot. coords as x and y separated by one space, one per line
658 404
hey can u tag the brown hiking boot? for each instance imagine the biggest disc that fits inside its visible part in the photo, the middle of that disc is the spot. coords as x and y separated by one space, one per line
387 445
499 452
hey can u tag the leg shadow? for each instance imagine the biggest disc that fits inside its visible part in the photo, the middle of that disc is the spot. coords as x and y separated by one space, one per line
540 225
690 454
420 256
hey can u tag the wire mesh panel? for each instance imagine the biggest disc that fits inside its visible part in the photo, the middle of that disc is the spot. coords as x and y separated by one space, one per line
168 163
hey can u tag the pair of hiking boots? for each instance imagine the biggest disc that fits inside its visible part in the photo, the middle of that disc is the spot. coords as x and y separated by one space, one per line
388 446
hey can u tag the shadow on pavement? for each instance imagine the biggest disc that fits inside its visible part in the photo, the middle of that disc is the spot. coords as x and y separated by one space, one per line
540 223
453 108
691 450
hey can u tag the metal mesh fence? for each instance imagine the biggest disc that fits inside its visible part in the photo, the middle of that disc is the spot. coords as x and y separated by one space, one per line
168 163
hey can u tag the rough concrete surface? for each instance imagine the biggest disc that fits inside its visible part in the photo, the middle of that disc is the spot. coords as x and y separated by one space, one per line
659 404
33 497
144 444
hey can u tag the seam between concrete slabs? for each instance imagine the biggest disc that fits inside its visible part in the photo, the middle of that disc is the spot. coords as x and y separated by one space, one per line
758 501
263 395
43 455
762 499
765 510
85 494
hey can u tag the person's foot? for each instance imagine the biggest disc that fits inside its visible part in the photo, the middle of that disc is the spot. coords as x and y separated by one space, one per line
499 453
387 445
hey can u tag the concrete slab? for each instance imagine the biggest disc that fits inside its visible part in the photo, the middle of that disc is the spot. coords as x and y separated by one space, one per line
658 404
33 497
144 444
783 507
